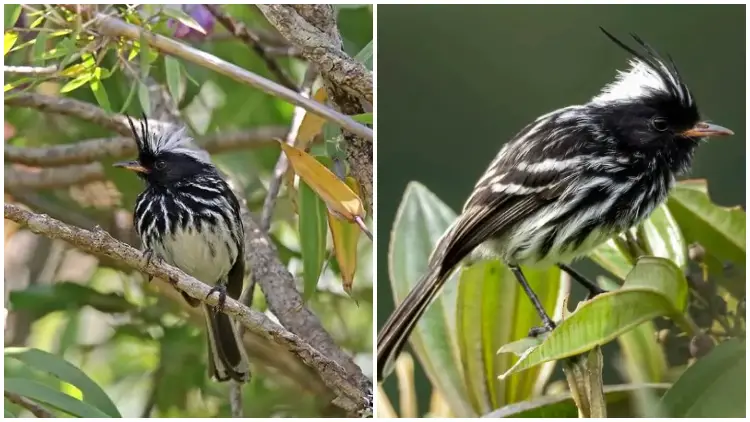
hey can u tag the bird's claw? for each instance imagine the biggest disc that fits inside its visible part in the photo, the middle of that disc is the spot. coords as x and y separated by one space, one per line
544 329
150 256
222 296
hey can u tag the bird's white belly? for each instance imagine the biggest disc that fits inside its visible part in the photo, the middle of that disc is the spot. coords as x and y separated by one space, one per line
204 255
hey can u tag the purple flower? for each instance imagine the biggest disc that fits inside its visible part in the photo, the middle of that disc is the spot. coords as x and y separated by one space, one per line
201 15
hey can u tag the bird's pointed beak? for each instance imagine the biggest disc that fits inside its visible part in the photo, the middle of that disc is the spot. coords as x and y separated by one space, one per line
131 165
703 130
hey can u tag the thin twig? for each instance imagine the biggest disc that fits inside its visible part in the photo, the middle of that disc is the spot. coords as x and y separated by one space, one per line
30 70
52 178
29 405
114 27
239 30
99 242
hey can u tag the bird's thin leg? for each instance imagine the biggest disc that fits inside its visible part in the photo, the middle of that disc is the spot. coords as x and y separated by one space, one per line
222 290
150 255
593 289
548 324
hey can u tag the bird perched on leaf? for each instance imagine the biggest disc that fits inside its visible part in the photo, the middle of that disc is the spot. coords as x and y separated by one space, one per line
567 182
189 217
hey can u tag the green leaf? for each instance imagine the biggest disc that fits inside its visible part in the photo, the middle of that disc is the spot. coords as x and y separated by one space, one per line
720 230
131 94
618 399
42 299
365 55
77 82
10 40
99 92
39 47
713 387
313 228
662 237
363 118
40 360
655 287
39 392
12 12
184 18
420 221
144 98
488 292
173 69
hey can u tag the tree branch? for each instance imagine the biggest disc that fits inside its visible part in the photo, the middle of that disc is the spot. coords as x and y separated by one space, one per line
114 27
313 29
52 178
308 27
350 396
239 30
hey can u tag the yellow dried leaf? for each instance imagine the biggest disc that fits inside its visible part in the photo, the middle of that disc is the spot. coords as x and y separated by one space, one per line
312 124
338 197
345 236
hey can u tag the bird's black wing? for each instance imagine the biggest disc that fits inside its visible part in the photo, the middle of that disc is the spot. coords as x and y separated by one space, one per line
236 276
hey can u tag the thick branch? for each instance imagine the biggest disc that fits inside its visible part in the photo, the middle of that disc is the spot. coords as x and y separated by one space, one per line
239 30
114 27
52 178
313 28
70 107
98 149
308 28
100 243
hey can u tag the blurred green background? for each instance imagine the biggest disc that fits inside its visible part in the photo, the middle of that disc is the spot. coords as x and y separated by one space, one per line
456 82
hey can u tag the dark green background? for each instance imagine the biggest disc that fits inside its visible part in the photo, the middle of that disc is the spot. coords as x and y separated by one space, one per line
455 82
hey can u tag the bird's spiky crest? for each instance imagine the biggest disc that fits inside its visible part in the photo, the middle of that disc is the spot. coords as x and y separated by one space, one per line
649 73
154 140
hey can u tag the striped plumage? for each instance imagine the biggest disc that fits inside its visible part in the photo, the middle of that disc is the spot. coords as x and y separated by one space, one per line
566 183
188 216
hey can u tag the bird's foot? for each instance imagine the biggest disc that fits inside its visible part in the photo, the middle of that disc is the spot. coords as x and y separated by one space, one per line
222 290
152 257
544 329
594 291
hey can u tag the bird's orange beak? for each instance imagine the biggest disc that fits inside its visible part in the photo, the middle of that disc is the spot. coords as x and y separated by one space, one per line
132 165
703 129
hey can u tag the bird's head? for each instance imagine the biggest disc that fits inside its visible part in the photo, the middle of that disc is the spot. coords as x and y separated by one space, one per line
649 108
165 155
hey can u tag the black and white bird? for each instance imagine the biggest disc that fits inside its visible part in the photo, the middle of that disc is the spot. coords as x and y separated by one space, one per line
189 217
567 182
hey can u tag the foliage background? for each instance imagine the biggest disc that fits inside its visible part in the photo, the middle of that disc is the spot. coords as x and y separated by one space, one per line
135 344
455 82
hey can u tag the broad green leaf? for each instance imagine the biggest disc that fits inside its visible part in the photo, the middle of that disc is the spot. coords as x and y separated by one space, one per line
662 237
420 221
8 414
655 287
720 230
644 360
489 292
184 18
10 40
12 12
313 228
363 118
39 392
41 299
365 55
713 387
173 70
40 360
618 399
131 94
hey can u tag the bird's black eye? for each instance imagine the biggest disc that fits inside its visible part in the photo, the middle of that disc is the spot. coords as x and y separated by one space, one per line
659 124
160 165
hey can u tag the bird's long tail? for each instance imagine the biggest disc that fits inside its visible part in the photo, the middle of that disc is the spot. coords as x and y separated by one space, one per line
396 331
226 354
